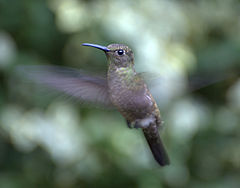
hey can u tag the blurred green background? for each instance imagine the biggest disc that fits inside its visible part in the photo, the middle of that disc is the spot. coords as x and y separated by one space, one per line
47 140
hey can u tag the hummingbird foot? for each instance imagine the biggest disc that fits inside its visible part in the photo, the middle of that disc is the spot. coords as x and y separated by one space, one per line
129 124
144 123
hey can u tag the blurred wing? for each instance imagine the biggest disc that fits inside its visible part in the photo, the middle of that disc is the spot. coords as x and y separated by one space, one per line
79 84
194 82
147 76
197 82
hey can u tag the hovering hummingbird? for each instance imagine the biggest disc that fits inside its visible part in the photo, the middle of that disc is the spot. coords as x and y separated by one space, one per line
123 88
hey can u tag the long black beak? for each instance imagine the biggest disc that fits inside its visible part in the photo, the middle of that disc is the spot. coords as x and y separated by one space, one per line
104 48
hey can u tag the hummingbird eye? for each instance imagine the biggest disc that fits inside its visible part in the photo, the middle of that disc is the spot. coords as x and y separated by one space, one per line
120 52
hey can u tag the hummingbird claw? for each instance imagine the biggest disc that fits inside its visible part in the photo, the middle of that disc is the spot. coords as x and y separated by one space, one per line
137 125
129 124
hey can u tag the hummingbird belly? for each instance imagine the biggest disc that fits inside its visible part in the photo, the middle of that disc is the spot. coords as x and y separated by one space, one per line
133 105
130 95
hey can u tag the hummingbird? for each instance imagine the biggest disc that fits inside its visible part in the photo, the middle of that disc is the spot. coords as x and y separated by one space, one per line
123 88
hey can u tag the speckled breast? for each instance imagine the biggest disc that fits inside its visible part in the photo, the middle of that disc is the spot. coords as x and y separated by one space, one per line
132 100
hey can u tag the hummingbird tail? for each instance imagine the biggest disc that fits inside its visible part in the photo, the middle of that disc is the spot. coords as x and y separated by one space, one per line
154 141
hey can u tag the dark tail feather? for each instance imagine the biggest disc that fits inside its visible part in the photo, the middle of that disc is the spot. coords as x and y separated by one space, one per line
154 141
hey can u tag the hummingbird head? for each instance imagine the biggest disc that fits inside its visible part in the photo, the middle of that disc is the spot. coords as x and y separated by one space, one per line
118 55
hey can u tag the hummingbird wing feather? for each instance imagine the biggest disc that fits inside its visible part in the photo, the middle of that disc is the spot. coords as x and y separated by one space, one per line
76 83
